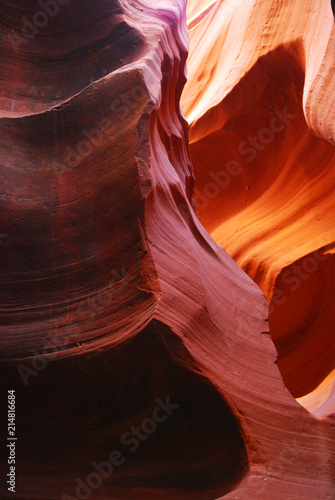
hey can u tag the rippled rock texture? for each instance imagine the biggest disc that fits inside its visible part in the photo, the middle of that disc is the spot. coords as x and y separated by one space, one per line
139 349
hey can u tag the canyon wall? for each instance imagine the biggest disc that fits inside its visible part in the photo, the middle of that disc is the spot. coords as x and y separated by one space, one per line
134 313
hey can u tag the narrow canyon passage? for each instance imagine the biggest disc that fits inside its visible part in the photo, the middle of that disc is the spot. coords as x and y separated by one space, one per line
167 249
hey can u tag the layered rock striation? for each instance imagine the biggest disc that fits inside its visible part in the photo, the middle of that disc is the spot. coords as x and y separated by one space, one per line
139 350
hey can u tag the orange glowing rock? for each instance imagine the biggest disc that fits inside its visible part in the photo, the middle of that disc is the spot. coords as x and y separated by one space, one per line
260 103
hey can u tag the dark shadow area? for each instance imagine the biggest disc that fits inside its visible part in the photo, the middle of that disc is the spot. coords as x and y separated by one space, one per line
51 53
76 411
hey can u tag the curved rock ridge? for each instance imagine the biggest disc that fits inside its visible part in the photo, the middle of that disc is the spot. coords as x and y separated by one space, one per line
81 341
260 105
138 349
47 49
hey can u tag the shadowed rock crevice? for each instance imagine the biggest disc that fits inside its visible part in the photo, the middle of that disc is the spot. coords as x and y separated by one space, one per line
301 320
84 408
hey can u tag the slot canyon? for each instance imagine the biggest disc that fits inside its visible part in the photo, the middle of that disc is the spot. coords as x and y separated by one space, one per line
167 249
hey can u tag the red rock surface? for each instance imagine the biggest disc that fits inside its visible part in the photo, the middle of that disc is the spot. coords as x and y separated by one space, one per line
114 296
261 110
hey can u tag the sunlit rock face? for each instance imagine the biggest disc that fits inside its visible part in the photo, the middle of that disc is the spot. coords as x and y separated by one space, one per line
260 103
139 350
